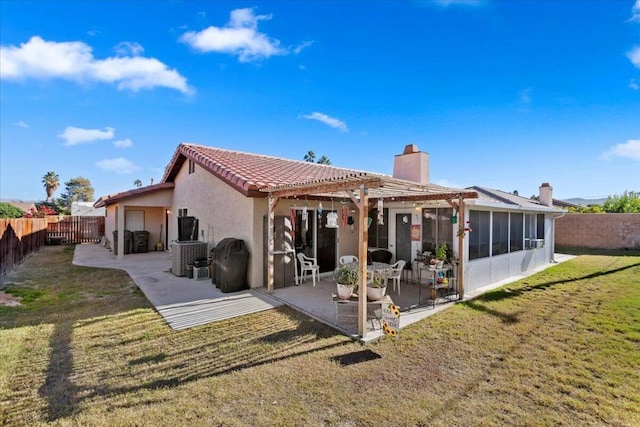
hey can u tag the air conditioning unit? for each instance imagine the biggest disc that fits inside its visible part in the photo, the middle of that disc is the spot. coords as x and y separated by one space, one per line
185 253
536 243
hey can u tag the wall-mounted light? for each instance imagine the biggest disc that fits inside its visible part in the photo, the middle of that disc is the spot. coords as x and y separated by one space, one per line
168 211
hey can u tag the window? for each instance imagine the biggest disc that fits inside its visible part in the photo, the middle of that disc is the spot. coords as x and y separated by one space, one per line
379 234
436 228
192 166
479 237
517 236
500 241
529 229
540 227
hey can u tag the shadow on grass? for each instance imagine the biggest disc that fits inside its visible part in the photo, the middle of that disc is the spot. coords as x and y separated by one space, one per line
58 389
478 303
194 360
356 357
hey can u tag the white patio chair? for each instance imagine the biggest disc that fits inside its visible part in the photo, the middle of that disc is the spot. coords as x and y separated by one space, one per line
308 265
395 273
347 259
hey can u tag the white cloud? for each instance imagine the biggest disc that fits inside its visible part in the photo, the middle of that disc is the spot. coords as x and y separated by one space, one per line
630 149
524 96
633 84
330 121
41 59
21 124
123 143
73 135
128 49
635 12
302 46
239 37
120 165
634 56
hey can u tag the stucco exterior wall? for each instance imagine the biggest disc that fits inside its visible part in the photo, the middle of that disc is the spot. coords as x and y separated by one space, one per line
154 206
221 211
599 231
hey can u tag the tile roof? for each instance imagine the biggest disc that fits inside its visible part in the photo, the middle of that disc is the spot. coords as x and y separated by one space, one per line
113 198
249 173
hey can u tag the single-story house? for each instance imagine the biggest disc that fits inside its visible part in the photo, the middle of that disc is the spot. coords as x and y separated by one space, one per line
229 193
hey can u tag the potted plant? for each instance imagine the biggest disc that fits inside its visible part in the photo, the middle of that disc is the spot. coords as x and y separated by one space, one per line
441 254
347 281
377 287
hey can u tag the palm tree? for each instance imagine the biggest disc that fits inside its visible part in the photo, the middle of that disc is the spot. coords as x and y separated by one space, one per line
324 160
51 182
310 157
137 183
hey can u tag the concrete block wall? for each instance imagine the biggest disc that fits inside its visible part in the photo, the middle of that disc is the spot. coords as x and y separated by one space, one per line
599 231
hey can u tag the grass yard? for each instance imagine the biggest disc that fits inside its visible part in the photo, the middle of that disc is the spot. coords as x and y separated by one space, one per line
561 347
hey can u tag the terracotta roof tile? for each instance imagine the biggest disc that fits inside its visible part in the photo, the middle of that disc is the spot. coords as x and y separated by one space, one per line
249 172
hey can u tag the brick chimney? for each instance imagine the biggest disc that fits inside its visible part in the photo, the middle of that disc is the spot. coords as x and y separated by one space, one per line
412 165
546 194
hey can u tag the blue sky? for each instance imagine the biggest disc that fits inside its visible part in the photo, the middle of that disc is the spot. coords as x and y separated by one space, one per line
501 94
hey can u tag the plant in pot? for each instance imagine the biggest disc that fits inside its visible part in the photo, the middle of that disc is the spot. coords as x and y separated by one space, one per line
377 287
347 281
441 254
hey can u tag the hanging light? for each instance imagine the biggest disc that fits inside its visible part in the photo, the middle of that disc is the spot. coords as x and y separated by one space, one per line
332 217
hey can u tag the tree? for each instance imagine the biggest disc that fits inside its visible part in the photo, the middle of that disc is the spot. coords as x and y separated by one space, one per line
51 181
77 190
137 183
9 211
627 202
310 157
515 193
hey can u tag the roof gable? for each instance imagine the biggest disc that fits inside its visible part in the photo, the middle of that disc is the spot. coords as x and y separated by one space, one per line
248 173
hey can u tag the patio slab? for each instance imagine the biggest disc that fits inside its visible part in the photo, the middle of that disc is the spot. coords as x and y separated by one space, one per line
185 302
181 301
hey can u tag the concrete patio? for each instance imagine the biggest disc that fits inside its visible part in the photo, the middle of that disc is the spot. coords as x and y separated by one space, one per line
185 302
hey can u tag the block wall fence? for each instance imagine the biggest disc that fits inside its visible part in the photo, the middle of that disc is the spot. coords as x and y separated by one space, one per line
598 231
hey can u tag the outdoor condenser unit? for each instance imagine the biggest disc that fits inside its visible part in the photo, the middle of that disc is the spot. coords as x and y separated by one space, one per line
185 253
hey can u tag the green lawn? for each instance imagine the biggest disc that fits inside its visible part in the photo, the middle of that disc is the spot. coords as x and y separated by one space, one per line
561 347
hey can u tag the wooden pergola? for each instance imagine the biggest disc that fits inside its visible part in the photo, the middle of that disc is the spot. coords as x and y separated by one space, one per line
365 189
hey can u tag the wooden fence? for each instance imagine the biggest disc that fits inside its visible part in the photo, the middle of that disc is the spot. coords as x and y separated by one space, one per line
75 229
20 238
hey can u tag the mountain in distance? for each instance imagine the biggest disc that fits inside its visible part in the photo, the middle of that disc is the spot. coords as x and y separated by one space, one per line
586 202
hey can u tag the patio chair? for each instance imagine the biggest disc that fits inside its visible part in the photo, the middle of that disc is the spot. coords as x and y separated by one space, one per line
348 259
308 265
395 273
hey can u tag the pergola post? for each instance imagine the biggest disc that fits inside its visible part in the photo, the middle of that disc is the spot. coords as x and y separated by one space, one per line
363 238
271 242
461 234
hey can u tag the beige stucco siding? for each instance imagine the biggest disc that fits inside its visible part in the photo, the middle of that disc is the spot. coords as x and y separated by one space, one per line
154 206
221 211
